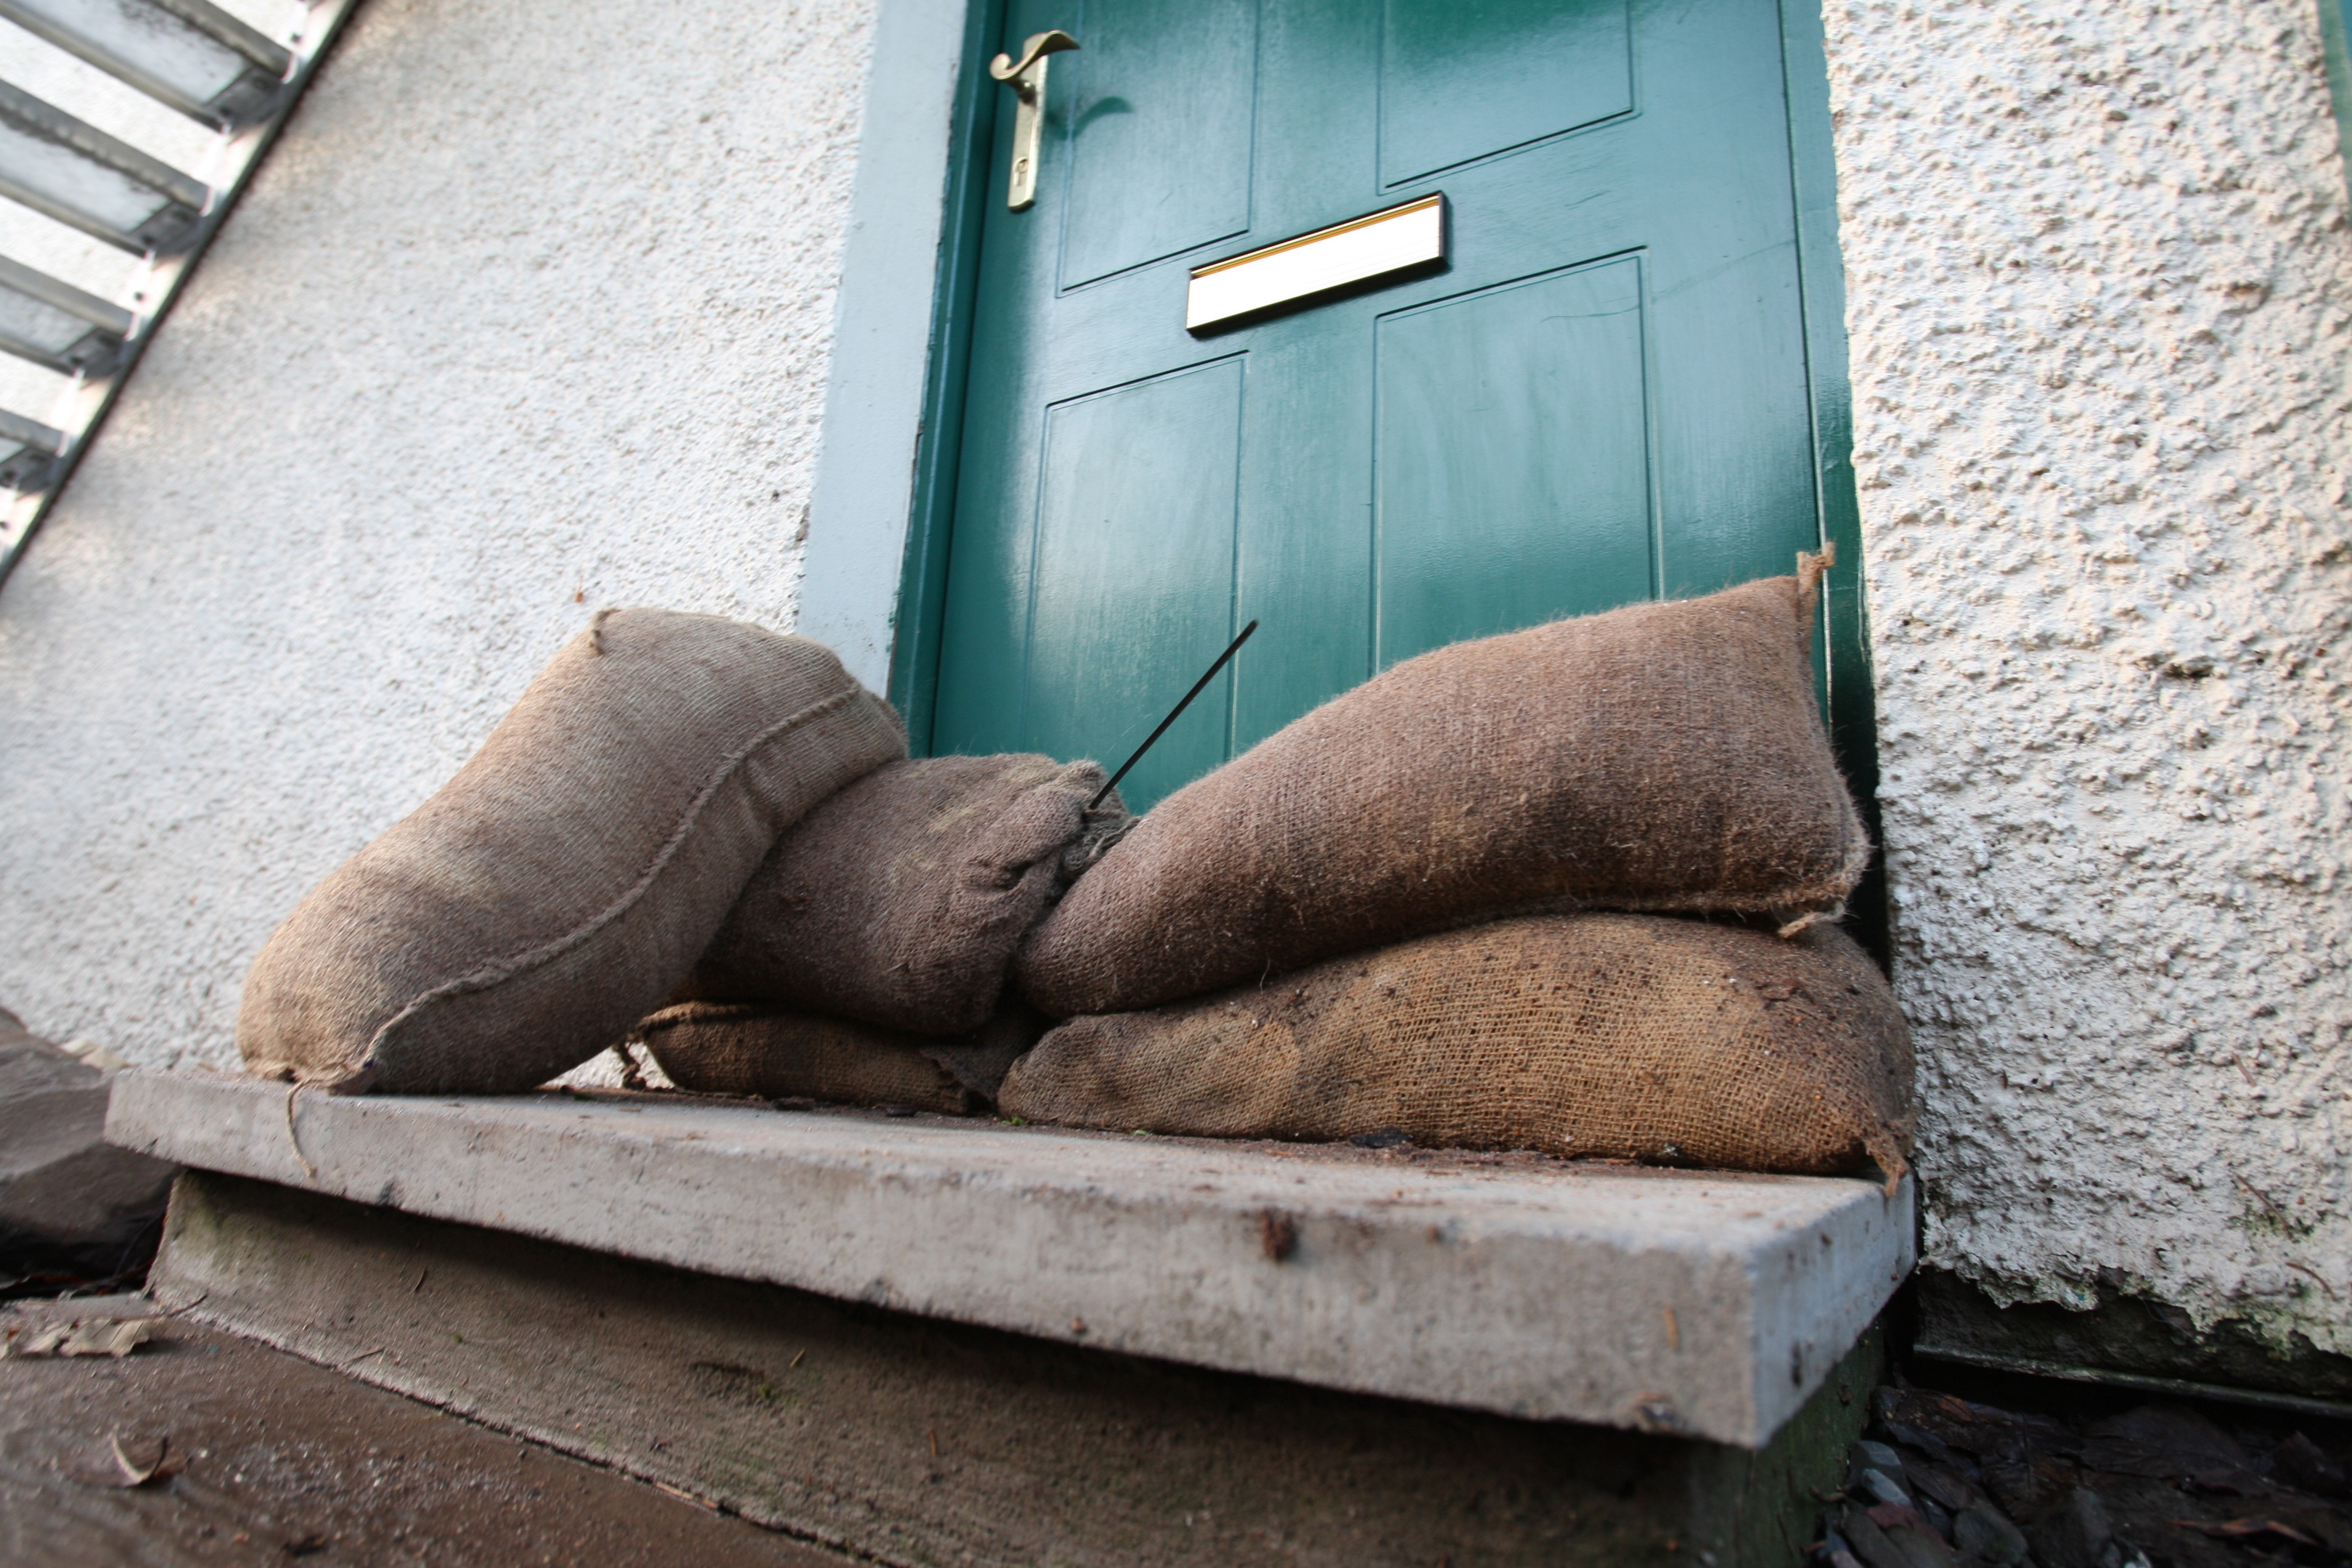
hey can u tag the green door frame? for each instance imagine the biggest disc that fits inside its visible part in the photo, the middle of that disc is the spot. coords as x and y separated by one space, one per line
2336 41
923 581
1847 675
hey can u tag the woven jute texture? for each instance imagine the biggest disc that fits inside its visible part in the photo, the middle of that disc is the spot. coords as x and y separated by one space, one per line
1660 757
564 882
1625 1036
745 1048
900 901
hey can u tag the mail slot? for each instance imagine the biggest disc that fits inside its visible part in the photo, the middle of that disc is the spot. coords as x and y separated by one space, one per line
1397 239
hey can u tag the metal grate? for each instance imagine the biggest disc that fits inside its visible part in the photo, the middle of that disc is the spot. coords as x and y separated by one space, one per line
109 196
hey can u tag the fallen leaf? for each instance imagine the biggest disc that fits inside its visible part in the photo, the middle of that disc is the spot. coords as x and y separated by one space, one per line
39 1341
2245 1529
305 1545
117 1339
141 1459
125 1461
82 1336
1981 1429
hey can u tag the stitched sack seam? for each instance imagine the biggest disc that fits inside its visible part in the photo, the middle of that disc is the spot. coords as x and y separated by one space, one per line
505 969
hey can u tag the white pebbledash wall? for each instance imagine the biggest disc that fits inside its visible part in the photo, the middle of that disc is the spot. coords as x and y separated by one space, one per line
528 314
2099 286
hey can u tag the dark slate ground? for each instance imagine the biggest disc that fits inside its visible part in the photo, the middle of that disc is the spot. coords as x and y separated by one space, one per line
1978 1469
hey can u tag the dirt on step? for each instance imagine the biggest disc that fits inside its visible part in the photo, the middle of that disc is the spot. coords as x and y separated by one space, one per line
256 1457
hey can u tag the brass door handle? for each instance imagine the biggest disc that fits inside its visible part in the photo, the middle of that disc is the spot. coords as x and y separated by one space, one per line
1027 78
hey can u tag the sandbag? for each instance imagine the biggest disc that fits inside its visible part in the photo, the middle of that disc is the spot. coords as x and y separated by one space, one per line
564 882
1625 1036
1659 757
900 901
749 1049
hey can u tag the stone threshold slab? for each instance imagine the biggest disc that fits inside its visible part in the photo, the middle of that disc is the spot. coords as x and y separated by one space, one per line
1697 1303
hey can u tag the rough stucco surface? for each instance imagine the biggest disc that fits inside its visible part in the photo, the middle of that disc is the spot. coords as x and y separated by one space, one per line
528 314
2098 285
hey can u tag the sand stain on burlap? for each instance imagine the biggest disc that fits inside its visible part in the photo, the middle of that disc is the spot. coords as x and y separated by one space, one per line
1659 757
1625 1036
563 883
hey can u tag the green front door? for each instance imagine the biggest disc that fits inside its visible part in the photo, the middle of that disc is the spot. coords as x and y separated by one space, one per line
1600 398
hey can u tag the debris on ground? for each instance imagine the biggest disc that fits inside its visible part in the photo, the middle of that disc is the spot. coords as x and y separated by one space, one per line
208 1448
74 1211
117 1337
2062 1476
121 1461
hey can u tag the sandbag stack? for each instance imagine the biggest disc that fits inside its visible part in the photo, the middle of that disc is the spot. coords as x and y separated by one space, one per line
704 836
1382 916
1572 888
558 889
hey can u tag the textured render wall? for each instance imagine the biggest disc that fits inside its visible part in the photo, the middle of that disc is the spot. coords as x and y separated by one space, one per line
2099 276
528 314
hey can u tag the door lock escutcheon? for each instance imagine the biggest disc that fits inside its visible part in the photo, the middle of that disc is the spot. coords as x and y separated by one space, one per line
1027 79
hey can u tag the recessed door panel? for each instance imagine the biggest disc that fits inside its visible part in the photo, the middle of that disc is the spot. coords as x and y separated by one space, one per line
1513 459
1134 579
1460 82
1161 119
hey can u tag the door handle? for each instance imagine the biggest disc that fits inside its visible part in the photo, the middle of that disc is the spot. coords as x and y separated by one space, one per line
1027 78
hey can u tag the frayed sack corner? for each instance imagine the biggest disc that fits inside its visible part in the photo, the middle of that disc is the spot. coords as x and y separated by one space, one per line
1800 924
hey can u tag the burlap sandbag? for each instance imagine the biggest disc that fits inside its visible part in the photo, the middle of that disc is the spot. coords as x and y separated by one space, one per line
1663 756
1622 1036
900 901
738 1049
564 882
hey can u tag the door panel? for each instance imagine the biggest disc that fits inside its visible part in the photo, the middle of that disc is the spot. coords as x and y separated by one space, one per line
1513 459
1460 82
1160 124
1135 550
1602 397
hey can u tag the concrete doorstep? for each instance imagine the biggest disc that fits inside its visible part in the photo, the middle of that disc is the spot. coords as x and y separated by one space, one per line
928 1339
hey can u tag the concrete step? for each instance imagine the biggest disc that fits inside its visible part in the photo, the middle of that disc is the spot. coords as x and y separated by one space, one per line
927 1339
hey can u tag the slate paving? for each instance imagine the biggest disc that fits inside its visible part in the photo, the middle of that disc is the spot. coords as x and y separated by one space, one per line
253 1456
1994 1472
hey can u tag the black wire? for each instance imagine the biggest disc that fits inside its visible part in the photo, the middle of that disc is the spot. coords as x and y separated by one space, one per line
1174 713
